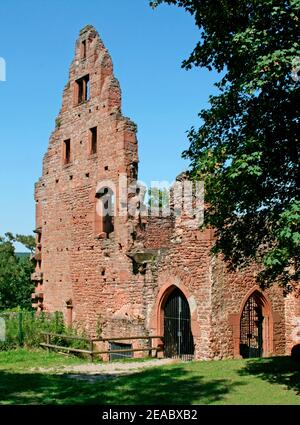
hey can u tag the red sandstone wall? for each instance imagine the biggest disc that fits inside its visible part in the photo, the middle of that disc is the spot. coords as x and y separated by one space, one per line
187 265
229 293
216 295
158 232
292 322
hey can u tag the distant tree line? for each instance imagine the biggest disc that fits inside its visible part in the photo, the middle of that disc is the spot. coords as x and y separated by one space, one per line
15 272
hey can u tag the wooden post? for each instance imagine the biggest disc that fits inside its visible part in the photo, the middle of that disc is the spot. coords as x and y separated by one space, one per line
20 329
92 349
48 342
150 346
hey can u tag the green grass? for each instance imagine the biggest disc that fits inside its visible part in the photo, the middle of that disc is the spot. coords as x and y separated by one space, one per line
259 381
22 360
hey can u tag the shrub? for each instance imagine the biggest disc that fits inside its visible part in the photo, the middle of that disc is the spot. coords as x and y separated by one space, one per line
25 328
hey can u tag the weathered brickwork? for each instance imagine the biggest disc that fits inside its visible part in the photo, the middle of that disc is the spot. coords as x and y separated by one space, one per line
113 275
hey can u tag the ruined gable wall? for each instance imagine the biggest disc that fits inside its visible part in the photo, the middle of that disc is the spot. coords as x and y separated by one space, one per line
77 263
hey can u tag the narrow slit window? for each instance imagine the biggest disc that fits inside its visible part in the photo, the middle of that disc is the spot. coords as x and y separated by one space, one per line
82 89
67 151
87 88
93 140
83 49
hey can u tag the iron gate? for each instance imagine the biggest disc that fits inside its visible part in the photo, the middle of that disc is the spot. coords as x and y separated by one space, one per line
251 342
178 338
120 346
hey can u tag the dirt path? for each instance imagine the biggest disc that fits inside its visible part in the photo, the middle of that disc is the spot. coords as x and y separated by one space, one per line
103 371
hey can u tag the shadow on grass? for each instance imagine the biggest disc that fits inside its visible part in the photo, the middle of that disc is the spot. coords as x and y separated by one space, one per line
276 370
153 386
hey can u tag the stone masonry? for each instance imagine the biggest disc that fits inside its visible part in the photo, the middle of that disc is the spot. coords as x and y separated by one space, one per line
111 271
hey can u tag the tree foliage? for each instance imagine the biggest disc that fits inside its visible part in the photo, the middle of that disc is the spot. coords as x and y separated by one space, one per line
15 284
247 147
27 240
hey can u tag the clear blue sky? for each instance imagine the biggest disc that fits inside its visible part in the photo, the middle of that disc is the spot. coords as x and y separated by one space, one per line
37 39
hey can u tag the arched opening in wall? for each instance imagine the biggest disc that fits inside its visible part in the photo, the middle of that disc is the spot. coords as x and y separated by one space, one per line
105 211
178 338
255 327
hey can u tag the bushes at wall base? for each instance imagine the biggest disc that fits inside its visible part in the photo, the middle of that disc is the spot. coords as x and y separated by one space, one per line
25 329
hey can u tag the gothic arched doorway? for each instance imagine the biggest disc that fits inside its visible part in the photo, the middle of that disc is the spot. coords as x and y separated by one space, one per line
253 327
178 338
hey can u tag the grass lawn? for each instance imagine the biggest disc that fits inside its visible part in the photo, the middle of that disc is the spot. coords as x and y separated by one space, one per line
256 381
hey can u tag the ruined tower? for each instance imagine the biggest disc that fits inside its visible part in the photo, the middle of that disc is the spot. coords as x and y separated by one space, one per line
81 235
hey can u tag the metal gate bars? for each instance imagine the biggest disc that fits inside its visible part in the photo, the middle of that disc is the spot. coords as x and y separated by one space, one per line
178 338
251 342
